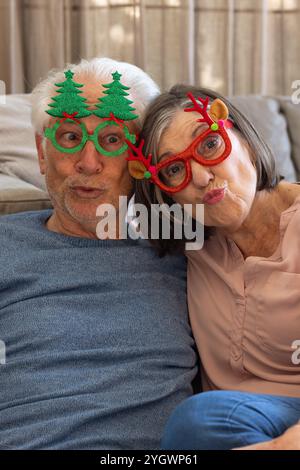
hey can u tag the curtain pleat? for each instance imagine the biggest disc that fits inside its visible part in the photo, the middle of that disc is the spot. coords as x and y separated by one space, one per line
233 46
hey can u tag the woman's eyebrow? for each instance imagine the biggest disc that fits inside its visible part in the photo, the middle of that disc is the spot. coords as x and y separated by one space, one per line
195 131
194 134
165 154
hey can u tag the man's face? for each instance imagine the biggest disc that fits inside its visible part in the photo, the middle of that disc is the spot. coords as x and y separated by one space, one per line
79 182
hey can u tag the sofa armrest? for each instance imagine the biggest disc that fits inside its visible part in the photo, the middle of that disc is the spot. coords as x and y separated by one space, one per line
18 196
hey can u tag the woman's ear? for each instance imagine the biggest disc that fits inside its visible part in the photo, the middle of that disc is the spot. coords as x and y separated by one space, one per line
40 152
218 110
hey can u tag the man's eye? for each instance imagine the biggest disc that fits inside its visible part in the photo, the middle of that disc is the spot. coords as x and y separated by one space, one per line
69 139
70 136
112 139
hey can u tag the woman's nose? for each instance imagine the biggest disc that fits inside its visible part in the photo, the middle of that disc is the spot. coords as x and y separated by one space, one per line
90 161
201 175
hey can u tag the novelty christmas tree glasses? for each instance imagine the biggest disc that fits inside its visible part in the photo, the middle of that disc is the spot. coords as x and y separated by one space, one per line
69 135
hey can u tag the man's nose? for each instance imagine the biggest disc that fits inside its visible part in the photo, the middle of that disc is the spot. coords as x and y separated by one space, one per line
90 161
201 175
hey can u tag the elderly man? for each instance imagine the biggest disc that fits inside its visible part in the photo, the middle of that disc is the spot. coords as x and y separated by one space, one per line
98 344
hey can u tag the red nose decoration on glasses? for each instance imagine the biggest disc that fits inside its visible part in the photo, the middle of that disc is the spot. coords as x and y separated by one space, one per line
216 117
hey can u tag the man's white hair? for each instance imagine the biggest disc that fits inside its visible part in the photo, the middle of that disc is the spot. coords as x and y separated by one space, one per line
142 88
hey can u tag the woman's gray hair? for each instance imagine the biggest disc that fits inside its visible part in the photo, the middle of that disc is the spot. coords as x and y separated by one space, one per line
142 88
158 119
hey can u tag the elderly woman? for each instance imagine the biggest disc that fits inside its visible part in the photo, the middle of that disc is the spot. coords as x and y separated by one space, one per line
244 284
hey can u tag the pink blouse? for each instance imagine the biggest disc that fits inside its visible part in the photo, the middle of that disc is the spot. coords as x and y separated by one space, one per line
245 314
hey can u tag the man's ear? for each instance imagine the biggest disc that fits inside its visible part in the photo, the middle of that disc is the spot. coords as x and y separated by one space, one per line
40 151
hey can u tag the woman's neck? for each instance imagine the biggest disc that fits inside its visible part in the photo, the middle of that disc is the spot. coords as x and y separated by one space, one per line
259 233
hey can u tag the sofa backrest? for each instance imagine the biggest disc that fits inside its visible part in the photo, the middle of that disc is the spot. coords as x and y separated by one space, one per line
266 116
291 111
18 155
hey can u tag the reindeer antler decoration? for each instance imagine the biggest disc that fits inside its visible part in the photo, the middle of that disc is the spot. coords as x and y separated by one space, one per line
140 166
197 107
215 117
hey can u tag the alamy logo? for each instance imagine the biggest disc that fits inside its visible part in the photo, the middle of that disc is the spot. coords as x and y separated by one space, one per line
160 215
2 353
296 353
296 94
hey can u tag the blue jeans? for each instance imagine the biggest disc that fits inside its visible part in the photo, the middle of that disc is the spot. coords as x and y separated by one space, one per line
221 420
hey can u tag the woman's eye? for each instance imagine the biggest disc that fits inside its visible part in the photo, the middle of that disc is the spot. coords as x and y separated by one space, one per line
210 145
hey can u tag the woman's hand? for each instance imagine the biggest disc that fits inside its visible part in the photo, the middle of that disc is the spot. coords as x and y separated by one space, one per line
289 440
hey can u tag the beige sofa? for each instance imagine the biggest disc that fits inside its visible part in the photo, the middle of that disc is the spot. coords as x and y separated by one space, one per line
22 187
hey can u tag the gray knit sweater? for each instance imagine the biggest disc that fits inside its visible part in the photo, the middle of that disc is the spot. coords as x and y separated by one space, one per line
98 345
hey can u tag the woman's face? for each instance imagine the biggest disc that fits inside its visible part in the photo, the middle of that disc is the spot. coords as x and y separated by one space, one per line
235 177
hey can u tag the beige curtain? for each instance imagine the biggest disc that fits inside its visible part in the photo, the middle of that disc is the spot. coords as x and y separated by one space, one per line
248 46
234 46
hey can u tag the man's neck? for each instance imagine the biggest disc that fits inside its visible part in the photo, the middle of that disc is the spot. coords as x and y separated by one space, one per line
65 224
71 228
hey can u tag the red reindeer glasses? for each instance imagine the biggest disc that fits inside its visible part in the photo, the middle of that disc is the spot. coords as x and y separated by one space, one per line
209 148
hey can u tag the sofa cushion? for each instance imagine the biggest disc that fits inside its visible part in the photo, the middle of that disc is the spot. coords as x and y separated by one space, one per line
292 114
264 114
18 154
19 196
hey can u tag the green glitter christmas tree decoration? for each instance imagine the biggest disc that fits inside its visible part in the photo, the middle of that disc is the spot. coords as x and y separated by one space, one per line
115 102
69 102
